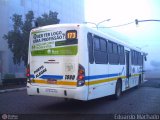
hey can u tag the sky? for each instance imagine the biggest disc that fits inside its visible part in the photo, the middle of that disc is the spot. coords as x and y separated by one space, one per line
145 35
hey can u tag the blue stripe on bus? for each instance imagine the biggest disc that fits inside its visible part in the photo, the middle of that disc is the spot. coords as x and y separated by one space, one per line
32 76
49 76
86 77
101 76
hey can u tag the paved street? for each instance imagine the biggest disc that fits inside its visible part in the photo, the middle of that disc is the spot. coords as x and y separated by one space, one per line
145 99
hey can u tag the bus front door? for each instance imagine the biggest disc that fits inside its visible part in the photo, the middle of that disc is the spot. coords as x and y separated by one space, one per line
128 74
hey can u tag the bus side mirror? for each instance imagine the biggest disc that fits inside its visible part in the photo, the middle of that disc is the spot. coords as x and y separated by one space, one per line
145 58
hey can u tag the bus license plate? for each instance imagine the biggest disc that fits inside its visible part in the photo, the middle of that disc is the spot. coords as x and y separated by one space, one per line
51 90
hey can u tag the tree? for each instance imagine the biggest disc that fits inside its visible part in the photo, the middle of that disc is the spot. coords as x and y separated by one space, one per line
48 19
18 38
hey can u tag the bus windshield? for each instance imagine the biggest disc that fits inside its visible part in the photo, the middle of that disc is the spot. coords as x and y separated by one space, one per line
53 42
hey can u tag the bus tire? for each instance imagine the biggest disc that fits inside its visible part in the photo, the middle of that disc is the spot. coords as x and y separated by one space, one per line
139 81
118 89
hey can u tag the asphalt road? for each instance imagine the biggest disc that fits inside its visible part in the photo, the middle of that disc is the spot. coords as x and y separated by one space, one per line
145 99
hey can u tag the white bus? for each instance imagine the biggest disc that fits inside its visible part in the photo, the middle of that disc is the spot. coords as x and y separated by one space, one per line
78 62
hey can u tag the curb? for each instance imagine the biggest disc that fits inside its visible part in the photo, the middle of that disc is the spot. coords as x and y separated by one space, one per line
12 90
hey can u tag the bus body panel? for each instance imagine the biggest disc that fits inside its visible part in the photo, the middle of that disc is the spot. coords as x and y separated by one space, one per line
47 73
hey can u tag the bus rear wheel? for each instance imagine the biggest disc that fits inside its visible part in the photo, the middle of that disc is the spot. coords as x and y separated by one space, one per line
118 90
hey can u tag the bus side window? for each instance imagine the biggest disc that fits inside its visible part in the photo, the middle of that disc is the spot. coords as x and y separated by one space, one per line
96 43
132 57
90 48
100 50
103 44
121 54
113 53
110 52
110 48
136 55
103 51
139 58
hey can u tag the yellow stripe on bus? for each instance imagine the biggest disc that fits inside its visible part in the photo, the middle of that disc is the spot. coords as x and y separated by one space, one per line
39 81
135 75
103 80
67 83
57 83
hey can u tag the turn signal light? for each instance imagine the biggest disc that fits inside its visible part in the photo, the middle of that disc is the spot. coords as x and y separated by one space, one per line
80 77
28 71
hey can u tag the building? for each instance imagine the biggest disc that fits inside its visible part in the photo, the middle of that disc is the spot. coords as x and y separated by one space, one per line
69 11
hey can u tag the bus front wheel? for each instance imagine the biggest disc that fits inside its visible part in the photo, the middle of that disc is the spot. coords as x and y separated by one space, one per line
139 81
118 89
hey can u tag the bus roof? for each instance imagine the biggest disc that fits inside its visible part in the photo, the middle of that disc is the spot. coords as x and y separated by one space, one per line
111 37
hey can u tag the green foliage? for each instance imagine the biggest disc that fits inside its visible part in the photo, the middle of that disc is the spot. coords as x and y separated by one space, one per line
18 38
48 19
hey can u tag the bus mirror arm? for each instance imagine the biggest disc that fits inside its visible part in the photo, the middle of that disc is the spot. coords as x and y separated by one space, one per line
143 71
145 58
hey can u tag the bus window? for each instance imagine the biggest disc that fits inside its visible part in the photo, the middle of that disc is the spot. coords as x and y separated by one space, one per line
139 58
115 49
103 45
90 47
110 48
113 53
96 43
133 57
121 55
136 58
100 50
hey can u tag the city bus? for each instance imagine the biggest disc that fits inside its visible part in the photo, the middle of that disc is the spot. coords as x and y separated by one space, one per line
74 61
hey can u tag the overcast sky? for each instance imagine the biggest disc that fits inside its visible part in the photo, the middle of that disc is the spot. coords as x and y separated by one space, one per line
146 35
